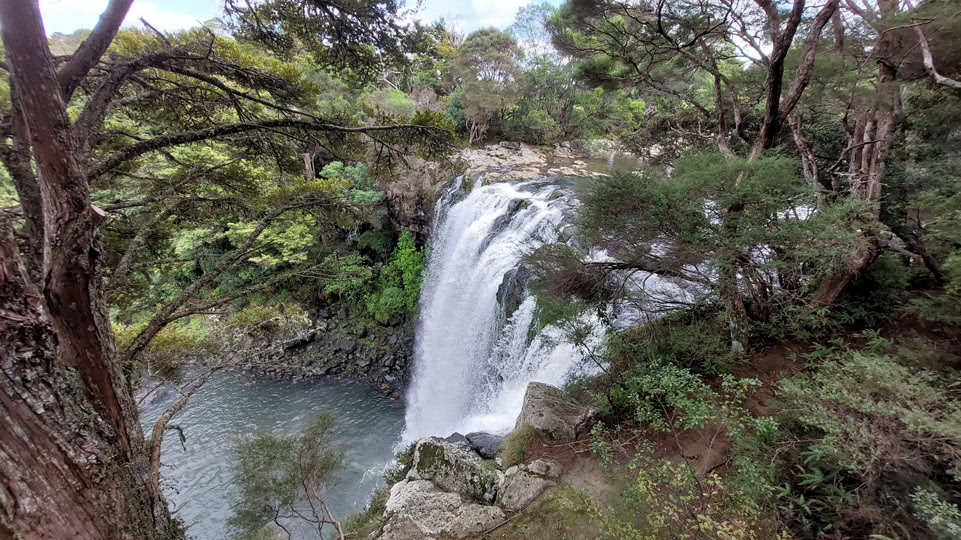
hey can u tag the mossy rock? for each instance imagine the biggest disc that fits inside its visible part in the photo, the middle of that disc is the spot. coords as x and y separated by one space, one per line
455 468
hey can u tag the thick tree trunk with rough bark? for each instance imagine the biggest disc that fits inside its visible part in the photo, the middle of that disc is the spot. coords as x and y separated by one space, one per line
73 462
62 475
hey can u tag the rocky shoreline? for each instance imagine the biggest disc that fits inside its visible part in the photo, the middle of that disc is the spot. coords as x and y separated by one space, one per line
335 346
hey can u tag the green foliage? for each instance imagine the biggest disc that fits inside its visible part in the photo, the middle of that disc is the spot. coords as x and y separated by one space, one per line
284 244
696 338
267 320
864 432
166 355
669 499
362 524
389 101
488 66
514 446
279 474
376 244
871 413
352 277
671 398
8 193
398 284
943 518
403 461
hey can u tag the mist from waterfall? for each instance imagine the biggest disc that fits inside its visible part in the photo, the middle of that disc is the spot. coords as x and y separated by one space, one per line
473 361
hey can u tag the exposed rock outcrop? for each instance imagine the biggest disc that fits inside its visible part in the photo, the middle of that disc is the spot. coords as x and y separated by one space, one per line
449 490
552 413
419 510
336 346
456 468
523 483
520 489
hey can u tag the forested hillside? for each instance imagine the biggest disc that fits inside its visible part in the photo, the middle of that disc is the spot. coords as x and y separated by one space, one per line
174 204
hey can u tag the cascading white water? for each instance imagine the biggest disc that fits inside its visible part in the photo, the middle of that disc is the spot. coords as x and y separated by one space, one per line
472 367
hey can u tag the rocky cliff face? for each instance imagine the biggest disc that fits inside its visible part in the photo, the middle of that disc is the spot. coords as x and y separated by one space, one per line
337 345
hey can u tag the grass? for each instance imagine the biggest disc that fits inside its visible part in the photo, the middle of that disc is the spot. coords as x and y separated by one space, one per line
513 448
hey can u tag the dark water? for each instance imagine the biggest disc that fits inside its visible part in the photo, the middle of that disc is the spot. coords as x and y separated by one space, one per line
232 406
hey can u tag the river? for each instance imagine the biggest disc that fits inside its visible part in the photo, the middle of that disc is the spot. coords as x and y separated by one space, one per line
234 405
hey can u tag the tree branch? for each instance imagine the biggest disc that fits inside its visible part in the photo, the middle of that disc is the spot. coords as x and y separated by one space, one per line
160 426
92 49
929 62
143 147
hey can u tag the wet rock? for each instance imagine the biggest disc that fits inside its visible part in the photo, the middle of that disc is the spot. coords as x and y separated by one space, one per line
485 444
418 509
562 151
512 290
510 145
456 437
454 467
552 413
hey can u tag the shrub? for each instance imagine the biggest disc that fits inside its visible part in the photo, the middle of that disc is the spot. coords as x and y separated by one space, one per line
403 461
862 429
871 414
669 499
275 475
362 524
668 397
167 353
398 284
943 518
376 244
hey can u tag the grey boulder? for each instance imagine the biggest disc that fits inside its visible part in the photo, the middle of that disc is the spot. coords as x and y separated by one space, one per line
455 467
419 510
485 444
552 413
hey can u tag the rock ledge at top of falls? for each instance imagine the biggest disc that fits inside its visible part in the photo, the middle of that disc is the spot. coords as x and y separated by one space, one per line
508 161
454 467
552 413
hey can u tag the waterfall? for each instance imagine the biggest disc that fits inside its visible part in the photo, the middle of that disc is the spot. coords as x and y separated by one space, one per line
477 344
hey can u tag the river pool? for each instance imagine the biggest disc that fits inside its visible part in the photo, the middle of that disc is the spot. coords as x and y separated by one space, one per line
234 405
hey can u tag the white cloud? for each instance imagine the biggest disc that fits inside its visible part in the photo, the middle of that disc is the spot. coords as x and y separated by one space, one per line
68 15
474 14
159 17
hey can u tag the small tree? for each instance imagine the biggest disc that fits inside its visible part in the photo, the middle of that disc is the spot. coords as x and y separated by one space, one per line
285 478
488 67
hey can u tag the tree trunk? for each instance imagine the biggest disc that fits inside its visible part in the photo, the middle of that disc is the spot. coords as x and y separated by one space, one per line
73 463
61 475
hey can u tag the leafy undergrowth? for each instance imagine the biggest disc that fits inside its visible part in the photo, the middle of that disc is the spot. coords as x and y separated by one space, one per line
847 438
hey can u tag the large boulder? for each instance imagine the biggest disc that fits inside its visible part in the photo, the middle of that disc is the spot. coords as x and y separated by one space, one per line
552 413
520 489
523 483
485 444
455 467
419 510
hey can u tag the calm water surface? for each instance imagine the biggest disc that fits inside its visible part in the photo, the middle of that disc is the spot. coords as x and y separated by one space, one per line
232 406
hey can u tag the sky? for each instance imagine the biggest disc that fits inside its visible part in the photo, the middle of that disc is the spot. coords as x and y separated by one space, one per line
169 15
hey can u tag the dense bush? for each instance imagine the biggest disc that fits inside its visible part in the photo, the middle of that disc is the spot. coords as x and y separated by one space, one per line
398 284
865 434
